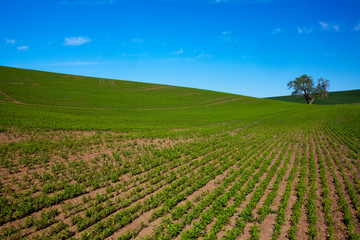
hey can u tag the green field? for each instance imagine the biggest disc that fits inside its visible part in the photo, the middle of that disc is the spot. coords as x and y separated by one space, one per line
93 158
340 97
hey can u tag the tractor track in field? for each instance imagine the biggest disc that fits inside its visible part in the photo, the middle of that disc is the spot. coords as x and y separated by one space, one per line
220 101
12 99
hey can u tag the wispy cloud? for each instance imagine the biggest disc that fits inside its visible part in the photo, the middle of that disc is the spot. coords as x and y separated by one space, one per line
226 36
276 30
134 54
357 27
88 2
75 41
324 25
304 30
180 51
76 63
22 48
203 55
10 41
190 58
327 26
137 40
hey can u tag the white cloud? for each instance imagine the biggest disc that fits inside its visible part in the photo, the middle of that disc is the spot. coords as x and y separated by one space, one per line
276 30
22 48
226 36
193 58
203 55
76 63
304 30
75 41
10 41
357 27
134 54
137 40
324 25
180 51
328 27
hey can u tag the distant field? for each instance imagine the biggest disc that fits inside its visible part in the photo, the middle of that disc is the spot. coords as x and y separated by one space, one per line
341 97
92 158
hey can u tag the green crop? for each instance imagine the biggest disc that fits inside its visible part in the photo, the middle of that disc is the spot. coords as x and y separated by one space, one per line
91 158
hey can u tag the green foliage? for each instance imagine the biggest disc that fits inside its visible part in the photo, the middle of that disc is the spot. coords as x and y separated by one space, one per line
334 98
304 86
254 230
187 160
79 103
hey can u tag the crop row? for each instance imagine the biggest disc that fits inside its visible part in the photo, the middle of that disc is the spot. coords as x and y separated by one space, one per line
216 198
205 175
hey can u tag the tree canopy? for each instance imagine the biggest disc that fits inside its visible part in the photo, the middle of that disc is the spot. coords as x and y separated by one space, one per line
304 86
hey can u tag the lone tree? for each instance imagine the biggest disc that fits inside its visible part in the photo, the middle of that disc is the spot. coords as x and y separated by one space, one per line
304 85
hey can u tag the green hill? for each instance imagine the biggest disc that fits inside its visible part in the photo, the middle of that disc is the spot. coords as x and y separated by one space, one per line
39 99
340 97
95 158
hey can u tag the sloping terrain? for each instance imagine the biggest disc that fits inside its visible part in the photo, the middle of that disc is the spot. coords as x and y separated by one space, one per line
48 100
52 89
340 97
90 158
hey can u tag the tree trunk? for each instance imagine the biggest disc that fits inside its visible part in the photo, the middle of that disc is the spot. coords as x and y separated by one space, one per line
308 99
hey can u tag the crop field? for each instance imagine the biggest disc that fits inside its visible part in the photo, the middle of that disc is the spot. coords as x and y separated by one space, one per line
89 158
341 97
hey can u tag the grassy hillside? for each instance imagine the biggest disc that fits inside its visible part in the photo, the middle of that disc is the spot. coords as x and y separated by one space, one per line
58 101
52 89
340 97
90 158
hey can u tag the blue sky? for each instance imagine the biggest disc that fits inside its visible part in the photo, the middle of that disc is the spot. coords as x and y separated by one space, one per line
248 47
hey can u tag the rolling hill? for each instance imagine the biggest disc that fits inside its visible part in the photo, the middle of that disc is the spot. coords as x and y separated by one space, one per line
39 99
94 158
66 101
340 97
